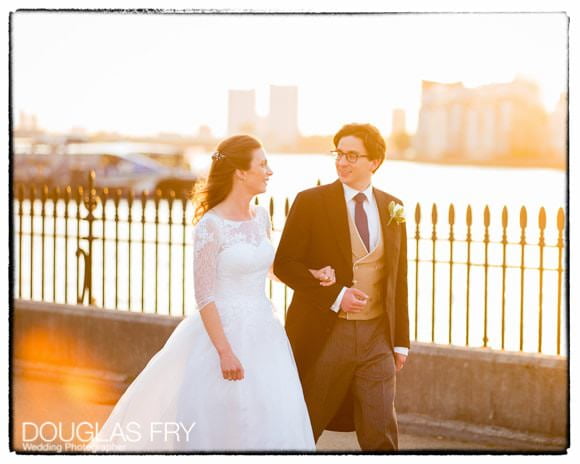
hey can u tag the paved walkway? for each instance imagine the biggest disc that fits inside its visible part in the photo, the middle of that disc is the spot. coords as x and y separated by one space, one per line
39 401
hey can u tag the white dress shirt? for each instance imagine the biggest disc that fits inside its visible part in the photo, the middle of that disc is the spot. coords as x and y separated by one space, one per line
370 207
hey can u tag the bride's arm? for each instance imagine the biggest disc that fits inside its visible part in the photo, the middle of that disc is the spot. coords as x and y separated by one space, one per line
292 257
316 273
230 365
271 274
269 228
206 248
214 328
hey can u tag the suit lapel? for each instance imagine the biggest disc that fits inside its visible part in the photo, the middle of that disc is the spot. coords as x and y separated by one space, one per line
337 215
391 232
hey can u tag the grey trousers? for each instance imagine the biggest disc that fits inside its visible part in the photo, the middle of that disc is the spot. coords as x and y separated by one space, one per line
356 355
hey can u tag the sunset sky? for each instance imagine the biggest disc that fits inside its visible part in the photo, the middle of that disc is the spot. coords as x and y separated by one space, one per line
143 74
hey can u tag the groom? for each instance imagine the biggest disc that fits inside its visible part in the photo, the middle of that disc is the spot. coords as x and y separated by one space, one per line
350 338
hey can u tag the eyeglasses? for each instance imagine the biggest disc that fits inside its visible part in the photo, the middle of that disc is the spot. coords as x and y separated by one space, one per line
351 156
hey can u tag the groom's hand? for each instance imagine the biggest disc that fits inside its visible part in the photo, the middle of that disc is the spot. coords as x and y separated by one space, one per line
353 300
400 361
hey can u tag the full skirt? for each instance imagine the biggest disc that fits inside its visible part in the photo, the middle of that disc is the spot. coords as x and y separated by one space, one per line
181 402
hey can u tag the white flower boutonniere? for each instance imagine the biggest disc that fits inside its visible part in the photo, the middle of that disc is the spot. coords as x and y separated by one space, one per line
396 213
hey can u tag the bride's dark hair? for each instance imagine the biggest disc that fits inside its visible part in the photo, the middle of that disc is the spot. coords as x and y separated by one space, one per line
233 153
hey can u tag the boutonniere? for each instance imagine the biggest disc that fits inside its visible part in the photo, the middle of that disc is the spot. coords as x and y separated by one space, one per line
396 213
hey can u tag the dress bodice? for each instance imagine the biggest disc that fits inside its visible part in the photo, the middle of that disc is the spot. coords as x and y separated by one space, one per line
231 258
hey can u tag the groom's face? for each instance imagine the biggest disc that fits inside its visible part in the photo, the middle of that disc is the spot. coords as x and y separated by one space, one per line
356 175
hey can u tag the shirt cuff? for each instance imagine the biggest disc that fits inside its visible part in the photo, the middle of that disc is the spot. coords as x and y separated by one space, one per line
402 350
336 305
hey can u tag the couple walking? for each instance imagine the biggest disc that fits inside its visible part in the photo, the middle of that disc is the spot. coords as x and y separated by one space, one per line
230 378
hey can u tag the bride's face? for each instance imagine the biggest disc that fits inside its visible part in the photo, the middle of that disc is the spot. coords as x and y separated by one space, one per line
255 179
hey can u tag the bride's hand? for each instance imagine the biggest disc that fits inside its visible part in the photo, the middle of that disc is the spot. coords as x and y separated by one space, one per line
231 366
325 275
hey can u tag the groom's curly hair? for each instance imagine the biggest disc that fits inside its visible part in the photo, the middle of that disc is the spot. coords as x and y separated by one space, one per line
370 136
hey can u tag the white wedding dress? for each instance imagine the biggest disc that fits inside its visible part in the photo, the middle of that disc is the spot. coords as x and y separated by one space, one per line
180 400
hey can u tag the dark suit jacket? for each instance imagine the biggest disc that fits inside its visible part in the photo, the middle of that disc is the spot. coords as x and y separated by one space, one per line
316 234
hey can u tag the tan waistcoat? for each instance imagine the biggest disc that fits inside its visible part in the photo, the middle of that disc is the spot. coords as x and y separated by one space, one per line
368 274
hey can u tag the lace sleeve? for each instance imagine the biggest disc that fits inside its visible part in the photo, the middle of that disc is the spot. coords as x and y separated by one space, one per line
206 245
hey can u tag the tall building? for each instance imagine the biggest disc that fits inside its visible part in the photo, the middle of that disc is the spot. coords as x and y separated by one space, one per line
399 140
558 127
27 124
204 133
487 122
283 117
241 112
398 125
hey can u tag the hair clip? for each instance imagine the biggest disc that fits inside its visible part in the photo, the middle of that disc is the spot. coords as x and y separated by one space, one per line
217 156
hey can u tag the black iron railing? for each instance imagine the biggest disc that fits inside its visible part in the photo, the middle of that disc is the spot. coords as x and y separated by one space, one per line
115 249
487 265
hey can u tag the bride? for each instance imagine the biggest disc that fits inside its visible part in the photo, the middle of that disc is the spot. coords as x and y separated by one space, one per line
226 379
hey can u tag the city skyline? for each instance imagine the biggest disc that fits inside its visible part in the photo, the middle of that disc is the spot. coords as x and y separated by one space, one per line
399 118
279 126
492 121
162 73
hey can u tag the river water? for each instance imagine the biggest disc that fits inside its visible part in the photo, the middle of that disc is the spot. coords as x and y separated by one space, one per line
414 183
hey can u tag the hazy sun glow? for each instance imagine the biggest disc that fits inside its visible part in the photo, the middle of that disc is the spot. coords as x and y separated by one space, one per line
142 74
